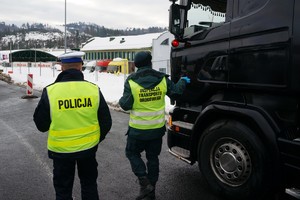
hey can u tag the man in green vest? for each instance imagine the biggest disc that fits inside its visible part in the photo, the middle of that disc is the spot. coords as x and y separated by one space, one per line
144 95
77 117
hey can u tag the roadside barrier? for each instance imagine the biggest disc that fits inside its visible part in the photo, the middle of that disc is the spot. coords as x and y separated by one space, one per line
29 84
29 89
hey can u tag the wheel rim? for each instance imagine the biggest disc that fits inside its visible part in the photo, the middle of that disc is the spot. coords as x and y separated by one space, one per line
230 162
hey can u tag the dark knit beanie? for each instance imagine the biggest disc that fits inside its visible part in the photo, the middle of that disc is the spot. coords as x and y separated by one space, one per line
142 59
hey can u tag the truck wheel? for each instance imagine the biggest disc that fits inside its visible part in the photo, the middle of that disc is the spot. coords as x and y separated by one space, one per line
234 161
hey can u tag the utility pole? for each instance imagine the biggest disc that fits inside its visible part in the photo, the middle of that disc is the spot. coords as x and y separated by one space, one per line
11 61
65 26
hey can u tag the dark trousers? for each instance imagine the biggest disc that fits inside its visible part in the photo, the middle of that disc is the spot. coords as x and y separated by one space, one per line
63 177
152 148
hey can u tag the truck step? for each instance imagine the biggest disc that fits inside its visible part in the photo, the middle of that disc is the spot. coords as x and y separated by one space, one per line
180 153
182 124
294 192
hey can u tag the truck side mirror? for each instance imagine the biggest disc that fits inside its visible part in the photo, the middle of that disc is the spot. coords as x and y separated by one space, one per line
177 20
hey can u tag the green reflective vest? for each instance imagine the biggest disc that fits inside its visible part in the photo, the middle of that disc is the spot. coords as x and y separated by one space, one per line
148 110
74 116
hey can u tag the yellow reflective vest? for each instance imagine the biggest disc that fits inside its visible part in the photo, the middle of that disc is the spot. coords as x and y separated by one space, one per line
74 116
148 110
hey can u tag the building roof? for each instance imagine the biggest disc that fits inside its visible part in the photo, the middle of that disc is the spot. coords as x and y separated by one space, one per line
31 55
120 42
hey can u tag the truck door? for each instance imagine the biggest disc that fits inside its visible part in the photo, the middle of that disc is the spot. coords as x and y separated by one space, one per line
204 58
296 48
260 42
208 56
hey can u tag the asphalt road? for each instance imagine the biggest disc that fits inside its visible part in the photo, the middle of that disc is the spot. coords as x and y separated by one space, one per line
26 170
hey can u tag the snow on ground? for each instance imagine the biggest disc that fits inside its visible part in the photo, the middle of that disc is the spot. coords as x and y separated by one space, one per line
111 85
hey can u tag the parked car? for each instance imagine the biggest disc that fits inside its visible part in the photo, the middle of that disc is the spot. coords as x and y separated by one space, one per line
101 65
89 66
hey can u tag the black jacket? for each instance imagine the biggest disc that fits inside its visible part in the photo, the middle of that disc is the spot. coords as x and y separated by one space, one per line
42 116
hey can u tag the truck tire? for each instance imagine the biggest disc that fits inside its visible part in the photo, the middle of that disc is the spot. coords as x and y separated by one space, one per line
234 161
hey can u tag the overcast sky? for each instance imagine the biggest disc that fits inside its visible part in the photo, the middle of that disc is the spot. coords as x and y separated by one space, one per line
117 14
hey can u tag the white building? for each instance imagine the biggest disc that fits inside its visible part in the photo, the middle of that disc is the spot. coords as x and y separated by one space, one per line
159 44
161 51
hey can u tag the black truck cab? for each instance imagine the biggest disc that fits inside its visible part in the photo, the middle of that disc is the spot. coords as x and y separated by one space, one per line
240 116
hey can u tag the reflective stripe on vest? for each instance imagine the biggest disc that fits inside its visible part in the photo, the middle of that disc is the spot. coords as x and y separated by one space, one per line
74 116
148 110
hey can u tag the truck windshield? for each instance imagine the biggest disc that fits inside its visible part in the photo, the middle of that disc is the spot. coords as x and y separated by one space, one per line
204 14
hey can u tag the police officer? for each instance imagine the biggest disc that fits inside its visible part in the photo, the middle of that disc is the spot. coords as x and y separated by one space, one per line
144 95
77 117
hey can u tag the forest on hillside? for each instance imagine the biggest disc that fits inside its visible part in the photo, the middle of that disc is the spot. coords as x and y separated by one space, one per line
17 37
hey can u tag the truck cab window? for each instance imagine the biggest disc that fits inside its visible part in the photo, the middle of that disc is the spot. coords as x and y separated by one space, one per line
201 17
